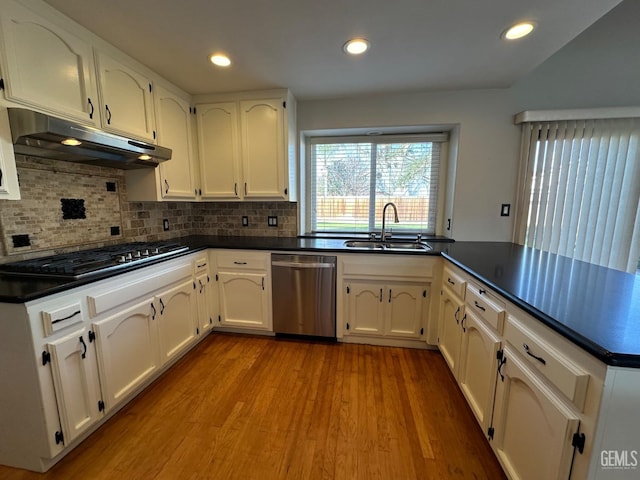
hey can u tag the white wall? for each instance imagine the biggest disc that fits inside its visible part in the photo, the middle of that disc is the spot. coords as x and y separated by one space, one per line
487 151
600 68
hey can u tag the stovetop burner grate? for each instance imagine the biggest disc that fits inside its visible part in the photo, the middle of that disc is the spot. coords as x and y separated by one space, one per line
92 262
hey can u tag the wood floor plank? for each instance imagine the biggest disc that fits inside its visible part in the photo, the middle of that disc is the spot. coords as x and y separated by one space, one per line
244 407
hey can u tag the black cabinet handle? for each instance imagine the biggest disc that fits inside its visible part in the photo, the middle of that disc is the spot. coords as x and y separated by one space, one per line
479 306
77 312
166 186
450 282
245 189
482 291
239 263
202 286
106 107
235 189
0 177
161 307
389 295
528 352
380 295
503 359
84 347
464 317
153 310
92 108
455 315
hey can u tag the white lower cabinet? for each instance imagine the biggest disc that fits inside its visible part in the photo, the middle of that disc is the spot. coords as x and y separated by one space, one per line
386 309
176 319
243 300
365 309
385 299
533 429
75 376
477 367
243 281
449 329
205 303
128 350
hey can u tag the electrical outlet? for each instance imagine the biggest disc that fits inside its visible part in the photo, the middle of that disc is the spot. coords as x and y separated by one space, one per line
272 221
245 221
165 224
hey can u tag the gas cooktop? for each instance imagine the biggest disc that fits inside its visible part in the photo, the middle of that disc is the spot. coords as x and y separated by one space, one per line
85 263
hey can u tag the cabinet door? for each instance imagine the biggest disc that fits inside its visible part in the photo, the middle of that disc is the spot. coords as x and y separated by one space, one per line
365 308
449 330
205 304
47 67
478 366
127 350
263 148
243 300
9 188
218 148
405 307
176 315
126 102
174 132
75 378
533 428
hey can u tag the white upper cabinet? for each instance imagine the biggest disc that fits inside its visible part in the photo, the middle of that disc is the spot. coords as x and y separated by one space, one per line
126 99
9 188
174 131
263 147
46 67
247 146
219 150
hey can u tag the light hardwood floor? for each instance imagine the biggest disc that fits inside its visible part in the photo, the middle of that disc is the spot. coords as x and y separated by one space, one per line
244 407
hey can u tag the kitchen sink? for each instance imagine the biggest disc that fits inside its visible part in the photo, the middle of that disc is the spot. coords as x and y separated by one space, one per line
389 245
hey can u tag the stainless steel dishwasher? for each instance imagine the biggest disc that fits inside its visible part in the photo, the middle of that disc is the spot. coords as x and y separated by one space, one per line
304 294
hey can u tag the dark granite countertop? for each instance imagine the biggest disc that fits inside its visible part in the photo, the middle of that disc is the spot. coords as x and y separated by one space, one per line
14 289
595 307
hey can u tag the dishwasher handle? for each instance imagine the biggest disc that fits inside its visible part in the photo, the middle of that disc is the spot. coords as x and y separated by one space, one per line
280 263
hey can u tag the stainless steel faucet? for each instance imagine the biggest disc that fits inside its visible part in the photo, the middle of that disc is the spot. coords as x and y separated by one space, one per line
383 233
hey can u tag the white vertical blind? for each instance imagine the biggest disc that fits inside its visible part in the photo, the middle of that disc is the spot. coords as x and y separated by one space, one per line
582 190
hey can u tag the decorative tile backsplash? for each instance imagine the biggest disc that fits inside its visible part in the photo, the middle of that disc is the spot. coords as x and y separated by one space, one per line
52 190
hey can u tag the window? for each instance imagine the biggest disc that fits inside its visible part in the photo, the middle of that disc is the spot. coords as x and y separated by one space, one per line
581 187
352 178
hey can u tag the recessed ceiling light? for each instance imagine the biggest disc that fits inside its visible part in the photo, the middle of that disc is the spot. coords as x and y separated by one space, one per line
518 30
220 60
71 142
356 46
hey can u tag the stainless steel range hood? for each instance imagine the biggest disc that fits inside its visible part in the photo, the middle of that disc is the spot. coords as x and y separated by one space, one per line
38 135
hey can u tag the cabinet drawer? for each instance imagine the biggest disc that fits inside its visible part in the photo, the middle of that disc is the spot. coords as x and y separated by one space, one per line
55 319
455 282
200 264
487 305
567 377
118 294
243 260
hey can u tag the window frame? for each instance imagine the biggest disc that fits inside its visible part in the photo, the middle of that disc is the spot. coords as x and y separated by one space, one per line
308 140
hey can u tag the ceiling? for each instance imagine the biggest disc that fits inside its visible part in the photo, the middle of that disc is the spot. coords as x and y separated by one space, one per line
416 45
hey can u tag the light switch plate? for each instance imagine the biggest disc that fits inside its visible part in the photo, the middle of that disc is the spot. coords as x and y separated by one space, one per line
505 210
